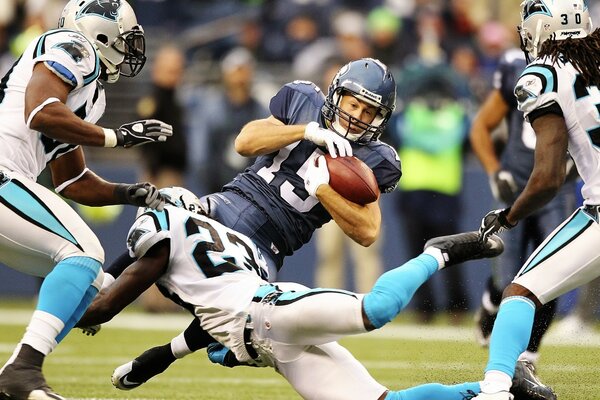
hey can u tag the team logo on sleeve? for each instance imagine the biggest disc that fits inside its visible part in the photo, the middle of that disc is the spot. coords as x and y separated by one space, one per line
105 8
74 49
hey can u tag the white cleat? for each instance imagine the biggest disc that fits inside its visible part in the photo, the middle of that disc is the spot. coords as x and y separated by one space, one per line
120 377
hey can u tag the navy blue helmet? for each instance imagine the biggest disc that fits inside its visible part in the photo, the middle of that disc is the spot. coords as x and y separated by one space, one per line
368 80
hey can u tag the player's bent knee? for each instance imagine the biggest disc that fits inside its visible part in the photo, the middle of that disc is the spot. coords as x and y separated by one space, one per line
381 307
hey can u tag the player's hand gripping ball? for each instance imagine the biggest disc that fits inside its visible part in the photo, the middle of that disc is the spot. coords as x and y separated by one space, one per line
352 179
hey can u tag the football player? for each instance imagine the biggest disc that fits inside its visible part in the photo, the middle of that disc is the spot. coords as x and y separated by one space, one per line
508 174
558 94
49 102
271 203
220 276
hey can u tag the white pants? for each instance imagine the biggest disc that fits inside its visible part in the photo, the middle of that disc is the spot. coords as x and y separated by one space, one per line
567 259
38 228
297 334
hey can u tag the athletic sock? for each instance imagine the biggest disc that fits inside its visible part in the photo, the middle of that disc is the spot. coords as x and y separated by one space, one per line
511 333
433 391
61 297
395 288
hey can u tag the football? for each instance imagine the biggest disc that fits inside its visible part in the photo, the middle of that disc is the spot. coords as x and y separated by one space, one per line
352 179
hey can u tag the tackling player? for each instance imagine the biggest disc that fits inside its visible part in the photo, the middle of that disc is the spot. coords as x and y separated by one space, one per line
220 276
270 202
558 93
49 102
508 175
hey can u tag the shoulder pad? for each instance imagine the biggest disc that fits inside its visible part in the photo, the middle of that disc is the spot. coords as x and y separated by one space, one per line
147 230
536 87
70 56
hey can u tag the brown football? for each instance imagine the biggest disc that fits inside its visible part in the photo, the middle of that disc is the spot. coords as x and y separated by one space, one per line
352 179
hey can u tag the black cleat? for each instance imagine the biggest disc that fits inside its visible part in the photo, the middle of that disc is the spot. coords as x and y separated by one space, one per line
484 321
23 379
527 386
466 246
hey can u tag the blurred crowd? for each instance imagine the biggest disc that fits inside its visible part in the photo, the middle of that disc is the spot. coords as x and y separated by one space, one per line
214 65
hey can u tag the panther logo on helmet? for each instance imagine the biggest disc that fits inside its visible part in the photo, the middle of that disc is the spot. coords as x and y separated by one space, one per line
105 8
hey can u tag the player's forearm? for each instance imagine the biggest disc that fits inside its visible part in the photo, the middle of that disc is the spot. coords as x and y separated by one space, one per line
483 147
92 190
263 137
361 223
58 122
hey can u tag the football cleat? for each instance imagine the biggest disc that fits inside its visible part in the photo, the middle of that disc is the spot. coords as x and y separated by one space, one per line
484 321
141 369
526 384
23 379
494 396
121 379
466 246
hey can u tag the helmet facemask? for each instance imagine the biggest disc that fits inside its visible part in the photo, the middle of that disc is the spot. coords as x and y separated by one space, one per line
364 132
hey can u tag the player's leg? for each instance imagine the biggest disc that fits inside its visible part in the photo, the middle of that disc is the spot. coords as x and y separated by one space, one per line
156 360
330 372
41 235
316 316
563 262
329 246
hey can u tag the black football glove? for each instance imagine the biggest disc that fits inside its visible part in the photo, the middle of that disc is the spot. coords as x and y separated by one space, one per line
144 131
494 222
140 194
503 185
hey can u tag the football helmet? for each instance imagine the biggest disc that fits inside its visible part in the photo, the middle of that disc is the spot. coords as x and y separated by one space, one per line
368 80
111 26
182 198
552 19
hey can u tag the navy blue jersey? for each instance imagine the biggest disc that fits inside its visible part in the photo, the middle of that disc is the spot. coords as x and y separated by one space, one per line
275 182
517 156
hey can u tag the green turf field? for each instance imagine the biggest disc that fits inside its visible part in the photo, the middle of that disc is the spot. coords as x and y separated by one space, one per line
400 355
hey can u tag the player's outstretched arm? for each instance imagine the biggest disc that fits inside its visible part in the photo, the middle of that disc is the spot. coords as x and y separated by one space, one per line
74 181
46 112
134 280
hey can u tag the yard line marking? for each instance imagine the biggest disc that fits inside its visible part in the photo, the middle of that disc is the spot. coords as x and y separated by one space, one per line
178 322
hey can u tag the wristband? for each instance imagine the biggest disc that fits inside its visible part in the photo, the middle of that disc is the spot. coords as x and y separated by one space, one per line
110 137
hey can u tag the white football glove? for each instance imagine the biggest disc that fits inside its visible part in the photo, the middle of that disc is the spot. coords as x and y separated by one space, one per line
336 145
503 185
317 174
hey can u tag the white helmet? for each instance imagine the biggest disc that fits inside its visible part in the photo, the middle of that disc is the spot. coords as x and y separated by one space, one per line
182 198
552 19
111 26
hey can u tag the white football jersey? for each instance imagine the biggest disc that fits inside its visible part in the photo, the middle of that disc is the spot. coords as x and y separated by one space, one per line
71 57
213 270
544 84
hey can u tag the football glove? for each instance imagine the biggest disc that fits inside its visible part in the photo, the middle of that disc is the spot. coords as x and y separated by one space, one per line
494 222
144 131
336 145
140 194
317 174
219 354
90 330
503 185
